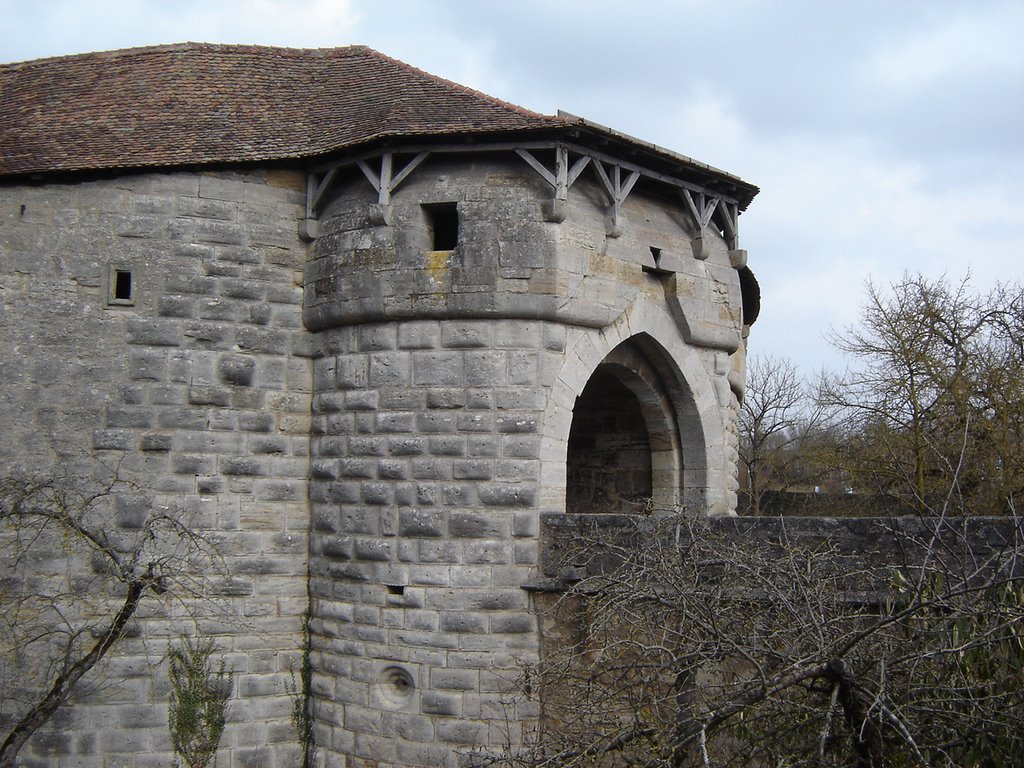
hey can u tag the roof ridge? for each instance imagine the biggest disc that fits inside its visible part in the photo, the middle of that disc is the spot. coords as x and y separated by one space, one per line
189 45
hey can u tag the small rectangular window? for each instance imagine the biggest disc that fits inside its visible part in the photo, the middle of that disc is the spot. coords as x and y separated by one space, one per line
443 223
121 289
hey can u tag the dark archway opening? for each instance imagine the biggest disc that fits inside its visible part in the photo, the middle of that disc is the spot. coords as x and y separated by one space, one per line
609 465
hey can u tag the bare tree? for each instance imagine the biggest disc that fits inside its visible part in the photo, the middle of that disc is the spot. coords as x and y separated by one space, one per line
760 643
77 560
933 405
777 419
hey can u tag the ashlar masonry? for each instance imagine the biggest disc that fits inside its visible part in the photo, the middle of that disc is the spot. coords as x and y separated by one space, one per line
363 326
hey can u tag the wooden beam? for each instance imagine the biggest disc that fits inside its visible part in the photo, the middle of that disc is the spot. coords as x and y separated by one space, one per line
578 168
387 181
411 166
618 190
561 173
526 147
386 166
626 188
729 216
321 189
370 174
534 163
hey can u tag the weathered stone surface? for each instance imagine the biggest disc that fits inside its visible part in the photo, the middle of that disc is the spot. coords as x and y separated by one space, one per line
396 415
179 413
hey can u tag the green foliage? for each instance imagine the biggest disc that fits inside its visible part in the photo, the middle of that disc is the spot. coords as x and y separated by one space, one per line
199 697
302 716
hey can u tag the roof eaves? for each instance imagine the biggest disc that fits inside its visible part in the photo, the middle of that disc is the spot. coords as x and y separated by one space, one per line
749 190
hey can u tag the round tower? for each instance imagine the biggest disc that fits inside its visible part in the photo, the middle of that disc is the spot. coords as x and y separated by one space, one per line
501 331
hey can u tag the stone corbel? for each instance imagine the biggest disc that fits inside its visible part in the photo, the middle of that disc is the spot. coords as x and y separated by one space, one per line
697 308
309 230
380 215
554 210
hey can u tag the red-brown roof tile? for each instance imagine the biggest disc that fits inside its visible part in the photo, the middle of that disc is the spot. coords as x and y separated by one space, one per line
200 104
194 104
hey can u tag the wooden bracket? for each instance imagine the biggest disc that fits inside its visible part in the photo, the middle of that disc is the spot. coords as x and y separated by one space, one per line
729 216
387 181
563 178
701 206
315 189
705 208
618 190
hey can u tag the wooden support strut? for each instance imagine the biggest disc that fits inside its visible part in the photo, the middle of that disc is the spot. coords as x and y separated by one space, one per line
562 179
617 189
564 176
387 181
315 191
729 214
702 208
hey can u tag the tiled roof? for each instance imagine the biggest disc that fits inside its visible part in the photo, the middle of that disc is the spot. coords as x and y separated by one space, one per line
193 104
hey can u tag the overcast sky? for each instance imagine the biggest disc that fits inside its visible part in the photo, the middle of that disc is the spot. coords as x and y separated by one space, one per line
886 137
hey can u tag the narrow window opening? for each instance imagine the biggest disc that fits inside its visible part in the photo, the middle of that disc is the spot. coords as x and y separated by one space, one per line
395 589
122 284
443 221
656 253
120 287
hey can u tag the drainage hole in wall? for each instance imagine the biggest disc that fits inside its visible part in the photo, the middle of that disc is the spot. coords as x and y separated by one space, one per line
396 686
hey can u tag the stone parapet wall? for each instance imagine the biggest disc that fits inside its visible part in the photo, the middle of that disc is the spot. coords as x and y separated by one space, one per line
197 390
575 546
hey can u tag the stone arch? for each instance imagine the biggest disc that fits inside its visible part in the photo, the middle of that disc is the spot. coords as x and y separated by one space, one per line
645 351
624 450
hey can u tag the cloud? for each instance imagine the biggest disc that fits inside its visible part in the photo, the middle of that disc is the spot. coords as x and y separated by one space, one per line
885 136
298 23
968 44
61 27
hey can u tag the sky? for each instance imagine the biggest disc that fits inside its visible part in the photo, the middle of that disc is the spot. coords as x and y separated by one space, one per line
886 137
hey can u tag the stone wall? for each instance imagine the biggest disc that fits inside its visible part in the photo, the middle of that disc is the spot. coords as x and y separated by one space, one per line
867 545
198 388
393 409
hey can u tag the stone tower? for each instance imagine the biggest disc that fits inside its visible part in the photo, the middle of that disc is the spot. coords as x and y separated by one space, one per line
514 328
503 315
